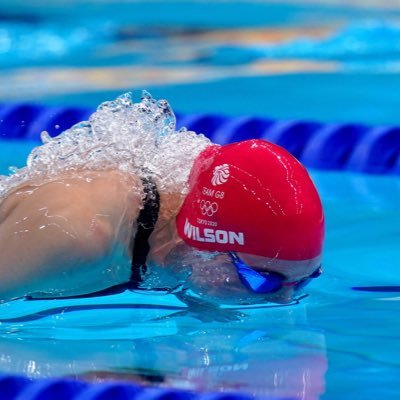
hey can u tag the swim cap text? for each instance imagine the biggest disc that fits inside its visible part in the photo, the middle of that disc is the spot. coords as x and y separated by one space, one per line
218 194
209 235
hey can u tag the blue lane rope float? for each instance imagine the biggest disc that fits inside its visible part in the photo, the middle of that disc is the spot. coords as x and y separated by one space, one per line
353 147
21 388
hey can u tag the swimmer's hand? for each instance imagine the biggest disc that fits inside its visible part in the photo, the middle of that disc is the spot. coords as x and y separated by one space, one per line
205 311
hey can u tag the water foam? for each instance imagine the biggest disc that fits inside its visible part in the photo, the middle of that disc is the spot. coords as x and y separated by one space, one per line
138 138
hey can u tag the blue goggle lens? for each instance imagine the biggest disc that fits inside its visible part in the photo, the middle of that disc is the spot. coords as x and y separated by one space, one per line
266 281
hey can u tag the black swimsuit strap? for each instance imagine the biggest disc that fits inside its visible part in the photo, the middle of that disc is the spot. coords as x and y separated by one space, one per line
146 223
140 247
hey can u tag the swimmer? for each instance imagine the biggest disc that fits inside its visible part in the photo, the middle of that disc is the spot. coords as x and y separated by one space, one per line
125 202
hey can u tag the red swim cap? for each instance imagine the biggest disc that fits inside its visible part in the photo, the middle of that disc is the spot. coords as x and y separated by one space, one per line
252 197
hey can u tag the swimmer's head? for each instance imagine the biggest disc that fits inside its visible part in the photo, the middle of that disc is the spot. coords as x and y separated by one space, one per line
254 200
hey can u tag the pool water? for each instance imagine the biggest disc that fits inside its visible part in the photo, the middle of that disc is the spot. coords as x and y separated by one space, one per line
336 342
326 60
323 60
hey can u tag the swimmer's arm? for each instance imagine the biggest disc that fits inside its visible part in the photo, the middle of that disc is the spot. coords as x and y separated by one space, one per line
48 237
36 248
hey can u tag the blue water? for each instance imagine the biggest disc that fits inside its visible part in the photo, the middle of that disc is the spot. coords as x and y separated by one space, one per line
330 62
322 60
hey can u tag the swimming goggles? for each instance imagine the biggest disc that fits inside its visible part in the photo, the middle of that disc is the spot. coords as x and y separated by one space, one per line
267 281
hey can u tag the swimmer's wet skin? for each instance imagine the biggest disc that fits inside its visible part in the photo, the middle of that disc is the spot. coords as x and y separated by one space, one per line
152 208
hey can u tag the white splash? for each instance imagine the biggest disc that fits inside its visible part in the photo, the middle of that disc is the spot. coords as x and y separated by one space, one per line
138 138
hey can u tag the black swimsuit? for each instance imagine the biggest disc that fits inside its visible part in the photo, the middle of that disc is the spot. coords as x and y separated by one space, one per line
146 222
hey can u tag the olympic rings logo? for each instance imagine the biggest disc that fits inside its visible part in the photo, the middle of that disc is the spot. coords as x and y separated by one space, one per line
208 208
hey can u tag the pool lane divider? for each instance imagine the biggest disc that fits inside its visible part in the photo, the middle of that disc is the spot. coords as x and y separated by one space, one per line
326 146
21 388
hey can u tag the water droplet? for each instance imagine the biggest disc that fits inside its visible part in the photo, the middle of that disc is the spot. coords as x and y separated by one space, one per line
45 137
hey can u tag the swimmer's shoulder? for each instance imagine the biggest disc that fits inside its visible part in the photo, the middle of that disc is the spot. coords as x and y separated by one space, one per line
105 192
